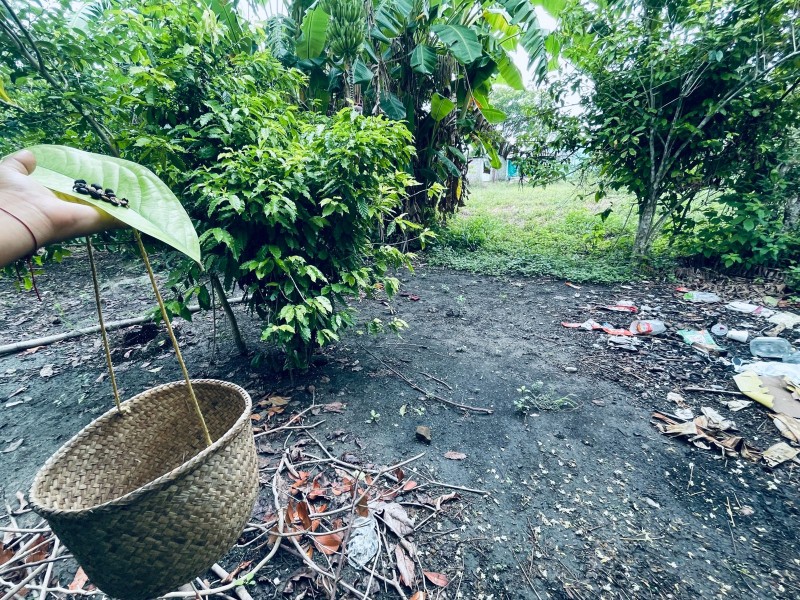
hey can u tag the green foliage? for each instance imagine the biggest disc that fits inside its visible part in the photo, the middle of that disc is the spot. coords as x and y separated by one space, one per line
551 231
543 139
541 398
431 65
292 206
671 84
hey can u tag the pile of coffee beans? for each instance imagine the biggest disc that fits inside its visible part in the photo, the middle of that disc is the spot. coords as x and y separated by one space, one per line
96 191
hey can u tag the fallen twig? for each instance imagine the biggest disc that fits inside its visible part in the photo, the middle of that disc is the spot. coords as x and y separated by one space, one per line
692 388
428 394
429 376
52 339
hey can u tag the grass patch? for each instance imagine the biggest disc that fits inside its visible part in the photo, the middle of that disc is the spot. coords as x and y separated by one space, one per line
547 231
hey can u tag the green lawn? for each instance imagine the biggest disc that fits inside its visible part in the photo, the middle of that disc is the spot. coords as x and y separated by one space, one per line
549 230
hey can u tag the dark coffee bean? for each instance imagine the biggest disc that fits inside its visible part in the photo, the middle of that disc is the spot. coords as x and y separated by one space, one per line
109 191
94 194
97 186
77 181
82 190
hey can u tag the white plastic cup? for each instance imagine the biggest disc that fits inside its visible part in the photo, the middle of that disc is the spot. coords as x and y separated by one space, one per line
738 335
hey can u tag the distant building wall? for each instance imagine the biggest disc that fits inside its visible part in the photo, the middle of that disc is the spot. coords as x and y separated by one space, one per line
481 171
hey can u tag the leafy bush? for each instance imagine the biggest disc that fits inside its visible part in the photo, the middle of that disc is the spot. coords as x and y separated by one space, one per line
293 206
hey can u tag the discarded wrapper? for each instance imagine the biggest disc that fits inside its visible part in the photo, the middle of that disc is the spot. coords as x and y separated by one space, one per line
776 393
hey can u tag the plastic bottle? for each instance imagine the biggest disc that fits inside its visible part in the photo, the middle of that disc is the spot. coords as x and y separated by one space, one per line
647 327
770 347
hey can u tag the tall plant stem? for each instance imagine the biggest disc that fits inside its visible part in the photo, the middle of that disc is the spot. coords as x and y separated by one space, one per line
103 332
172 338
216 284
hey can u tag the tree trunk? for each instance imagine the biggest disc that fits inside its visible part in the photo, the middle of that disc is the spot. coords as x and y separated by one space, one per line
791 214
645 229
226 307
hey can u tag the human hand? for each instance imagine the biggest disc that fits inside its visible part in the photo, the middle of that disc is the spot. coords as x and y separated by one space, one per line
45 216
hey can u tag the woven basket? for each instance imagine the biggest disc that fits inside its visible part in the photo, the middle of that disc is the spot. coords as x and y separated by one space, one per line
141 501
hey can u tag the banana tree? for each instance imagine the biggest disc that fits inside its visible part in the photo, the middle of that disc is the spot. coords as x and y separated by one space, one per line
429 63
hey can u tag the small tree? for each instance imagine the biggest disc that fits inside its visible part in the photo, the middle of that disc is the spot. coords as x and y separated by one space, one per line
666 84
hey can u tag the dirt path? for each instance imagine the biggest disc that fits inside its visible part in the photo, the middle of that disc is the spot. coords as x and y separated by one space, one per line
585 503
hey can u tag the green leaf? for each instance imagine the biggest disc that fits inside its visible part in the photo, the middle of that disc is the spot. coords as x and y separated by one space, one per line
554 7
441 107
462 42
393 106
507 34
361 72
423 59
152 207
510 73
4 96
313 33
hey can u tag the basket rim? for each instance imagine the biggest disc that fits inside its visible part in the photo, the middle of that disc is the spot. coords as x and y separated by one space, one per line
157 483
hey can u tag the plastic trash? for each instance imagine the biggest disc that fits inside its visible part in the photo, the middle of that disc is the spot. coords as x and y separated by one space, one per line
720 330
651 327
787 319
622 306
773 369
738 335
701 339
771 347
701 297
750 309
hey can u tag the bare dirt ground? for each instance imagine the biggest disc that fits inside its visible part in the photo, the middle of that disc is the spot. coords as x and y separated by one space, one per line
590 502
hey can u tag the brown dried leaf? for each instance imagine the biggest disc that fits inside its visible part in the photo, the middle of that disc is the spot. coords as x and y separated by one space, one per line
5 555
328 543
418 595
455 455
79 581
439 579
334 407
303 512
362 506
410 485
396 518
278 400
405 566
445 498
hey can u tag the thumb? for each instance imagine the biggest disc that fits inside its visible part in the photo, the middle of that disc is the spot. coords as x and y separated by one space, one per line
22 162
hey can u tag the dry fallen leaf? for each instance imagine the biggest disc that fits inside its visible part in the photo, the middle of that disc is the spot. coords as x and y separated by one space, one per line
233 574
439 579
334 407
303 513
405 566
46 371
444 498
30 351
79 581
418 595
410 485
328 543
455 455
396 518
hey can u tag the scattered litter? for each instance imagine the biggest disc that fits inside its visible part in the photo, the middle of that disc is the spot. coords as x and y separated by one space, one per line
772 369
787 319
701 297
571 369
623 342
773 392
720 330
788 426
588 325
572 285
12 446
750 309
716 420
364 542
771 347
677 399
701 435
621 306
738 335
686 414
736 405
651 327
780 453
700 340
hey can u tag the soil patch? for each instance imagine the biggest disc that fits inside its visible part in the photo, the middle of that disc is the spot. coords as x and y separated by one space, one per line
590 502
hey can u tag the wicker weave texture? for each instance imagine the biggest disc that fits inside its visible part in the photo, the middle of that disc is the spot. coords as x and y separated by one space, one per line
140 501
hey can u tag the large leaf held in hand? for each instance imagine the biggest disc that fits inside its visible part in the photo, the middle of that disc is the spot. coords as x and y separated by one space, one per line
153 208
